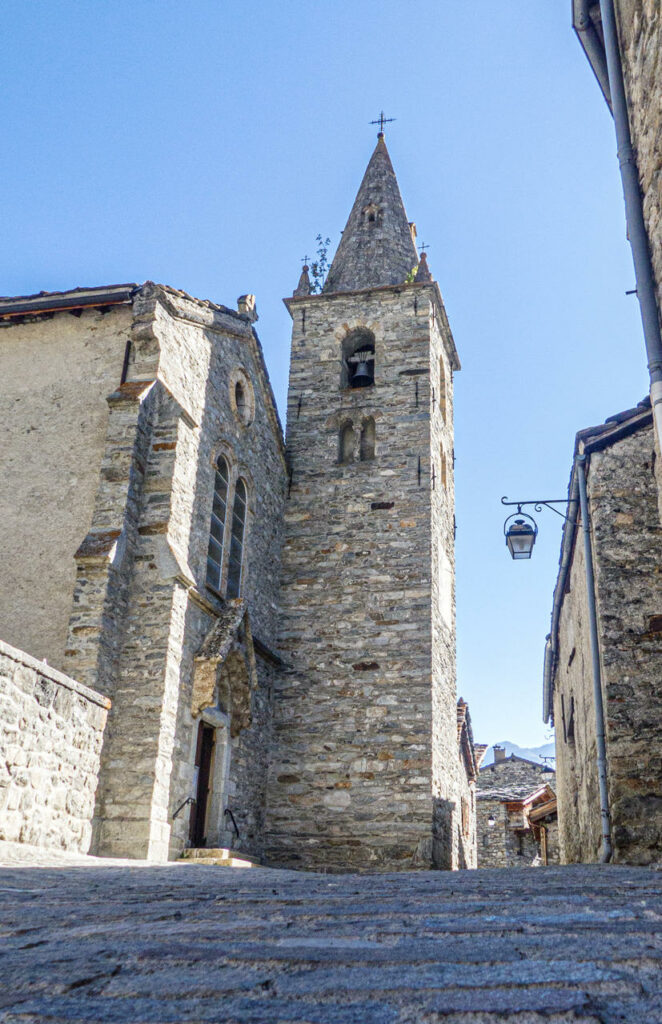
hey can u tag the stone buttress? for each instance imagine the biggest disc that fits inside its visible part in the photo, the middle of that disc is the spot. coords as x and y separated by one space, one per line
364 773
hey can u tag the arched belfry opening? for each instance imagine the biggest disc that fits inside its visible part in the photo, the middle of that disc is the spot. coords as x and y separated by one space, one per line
358 359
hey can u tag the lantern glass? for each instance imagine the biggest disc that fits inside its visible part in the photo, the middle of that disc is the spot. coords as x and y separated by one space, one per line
520 538
491 821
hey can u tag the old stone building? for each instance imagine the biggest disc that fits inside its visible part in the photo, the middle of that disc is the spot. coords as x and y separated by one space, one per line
149 427
304 713
639 28
365 770
516 813
626 546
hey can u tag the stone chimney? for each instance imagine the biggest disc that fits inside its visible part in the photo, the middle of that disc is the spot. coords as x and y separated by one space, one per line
499 754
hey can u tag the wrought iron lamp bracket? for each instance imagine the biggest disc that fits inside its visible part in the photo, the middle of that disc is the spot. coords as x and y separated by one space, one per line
538 505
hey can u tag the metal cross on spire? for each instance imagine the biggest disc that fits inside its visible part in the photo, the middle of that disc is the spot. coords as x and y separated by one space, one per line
381 121
423 246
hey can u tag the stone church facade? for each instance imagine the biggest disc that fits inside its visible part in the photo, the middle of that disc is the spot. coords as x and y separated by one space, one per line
302 710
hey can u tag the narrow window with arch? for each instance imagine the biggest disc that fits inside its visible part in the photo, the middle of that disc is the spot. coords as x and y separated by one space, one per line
442 388
219 512
367 448
346 442
443 470
235 561
358 359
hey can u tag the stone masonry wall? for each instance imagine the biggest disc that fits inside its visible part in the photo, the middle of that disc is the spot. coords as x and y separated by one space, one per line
351 784
627 554
640 34
576 774
628 542
51 732
182 363
499 845
56 371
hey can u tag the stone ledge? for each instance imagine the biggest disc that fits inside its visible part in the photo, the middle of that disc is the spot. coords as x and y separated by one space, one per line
54 674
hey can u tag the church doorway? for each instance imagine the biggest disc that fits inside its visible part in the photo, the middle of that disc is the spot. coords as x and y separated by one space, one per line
204 757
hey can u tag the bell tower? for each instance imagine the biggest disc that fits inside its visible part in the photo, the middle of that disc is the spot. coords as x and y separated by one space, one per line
364 771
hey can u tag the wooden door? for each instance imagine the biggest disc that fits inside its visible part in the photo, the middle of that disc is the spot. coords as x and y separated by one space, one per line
204 753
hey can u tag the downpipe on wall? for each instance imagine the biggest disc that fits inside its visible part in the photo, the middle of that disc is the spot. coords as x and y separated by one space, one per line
634 214
600 738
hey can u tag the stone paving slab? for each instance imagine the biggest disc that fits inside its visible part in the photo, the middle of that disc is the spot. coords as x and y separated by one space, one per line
113 942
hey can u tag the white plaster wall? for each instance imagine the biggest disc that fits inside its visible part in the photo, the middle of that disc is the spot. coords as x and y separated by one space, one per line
55 373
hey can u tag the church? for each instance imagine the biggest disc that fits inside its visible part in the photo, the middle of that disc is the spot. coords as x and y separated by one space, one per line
213 637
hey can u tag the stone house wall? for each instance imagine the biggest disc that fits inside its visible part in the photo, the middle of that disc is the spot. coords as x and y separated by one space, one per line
640 36
365 713
51 731
56 371
627 553
500 845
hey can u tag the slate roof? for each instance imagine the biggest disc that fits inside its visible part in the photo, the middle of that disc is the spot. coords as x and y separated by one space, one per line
377 247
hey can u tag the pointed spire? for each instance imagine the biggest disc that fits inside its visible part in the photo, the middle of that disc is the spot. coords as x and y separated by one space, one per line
303 287
423 272
376 247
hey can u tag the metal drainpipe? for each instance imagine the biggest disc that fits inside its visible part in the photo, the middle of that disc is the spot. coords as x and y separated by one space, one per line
606 849
634 214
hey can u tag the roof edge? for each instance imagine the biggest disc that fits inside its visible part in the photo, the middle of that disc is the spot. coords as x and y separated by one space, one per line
74 298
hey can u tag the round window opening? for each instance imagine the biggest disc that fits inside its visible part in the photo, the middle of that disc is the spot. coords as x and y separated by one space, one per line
243 402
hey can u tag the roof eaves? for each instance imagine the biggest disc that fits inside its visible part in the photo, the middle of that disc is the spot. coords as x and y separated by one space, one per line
75 298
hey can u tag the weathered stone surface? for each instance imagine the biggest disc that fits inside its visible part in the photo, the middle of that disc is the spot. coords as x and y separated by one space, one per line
627 554
377 247
51 731
499 845
366 771
249 947
640 36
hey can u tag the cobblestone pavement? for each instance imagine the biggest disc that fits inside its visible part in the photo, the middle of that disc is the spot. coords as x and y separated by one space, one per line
197 943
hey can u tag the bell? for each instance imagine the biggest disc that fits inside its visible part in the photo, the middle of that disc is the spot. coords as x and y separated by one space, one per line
362 376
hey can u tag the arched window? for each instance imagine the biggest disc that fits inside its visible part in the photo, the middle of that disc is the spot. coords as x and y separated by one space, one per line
237 540
358 360
240 399
368 439
346 442
443 468
217 529
442 388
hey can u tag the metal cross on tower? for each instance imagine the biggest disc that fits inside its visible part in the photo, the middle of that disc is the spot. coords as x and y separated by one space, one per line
423 246
382 120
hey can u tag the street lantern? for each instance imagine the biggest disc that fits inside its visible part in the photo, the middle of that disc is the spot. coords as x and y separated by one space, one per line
520 535
521 530
491 821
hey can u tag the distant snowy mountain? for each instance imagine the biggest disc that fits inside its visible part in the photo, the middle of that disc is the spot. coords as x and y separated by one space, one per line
535 754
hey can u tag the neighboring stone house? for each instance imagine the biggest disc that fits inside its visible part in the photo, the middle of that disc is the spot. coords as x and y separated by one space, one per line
626 543
640 37
308 716
516 813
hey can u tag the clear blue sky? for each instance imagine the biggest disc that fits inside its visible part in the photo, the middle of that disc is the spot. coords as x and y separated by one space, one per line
205 144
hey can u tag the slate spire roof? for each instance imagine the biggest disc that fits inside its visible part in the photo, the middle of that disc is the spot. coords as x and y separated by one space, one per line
376 247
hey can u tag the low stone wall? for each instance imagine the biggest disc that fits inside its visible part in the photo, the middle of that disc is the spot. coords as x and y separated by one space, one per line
51 731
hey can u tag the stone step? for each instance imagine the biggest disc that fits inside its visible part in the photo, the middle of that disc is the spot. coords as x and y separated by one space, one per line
218 855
